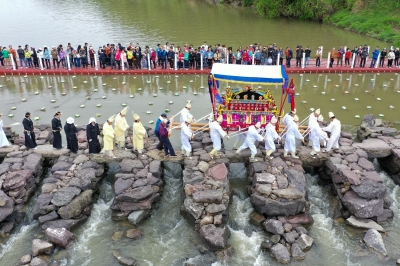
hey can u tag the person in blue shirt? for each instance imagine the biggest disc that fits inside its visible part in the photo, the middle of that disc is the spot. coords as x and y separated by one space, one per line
163 56
375 55
159 51
209 56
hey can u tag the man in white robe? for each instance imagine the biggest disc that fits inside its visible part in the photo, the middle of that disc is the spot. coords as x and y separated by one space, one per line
216 133
335 128
138 134
251 137
3 138
186 136
120 127
185 113
241 136
316 135
287 118
292 133
270 135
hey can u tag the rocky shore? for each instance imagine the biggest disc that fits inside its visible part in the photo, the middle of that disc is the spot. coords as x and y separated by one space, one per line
69 184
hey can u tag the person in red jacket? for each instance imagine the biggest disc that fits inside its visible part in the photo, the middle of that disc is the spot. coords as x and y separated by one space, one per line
347 57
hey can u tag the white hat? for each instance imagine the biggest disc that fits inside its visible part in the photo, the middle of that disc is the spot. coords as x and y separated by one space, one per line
220 119
274 120
136 117
294 111
317 112
188 105
92 119
70 120
111 119
320 118
258 125
188 120
295 118
123 112
331 114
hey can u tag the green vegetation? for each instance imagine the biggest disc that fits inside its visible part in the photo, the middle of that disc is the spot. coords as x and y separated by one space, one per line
377 18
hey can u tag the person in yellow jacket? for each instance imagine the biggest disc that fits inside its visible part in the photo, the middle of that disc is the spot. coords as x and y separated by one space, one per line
139 132
108 133
120 127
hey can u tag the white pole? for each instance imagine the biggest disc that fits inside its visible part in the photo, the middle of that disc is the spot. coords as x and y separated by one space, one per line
329 59
322 49
279 58
95 62
201 62
41 63
227 57
12 61
176 61
68 62
122 61
344 54
304 60
353 61
377 61
148 60
252 60
366 59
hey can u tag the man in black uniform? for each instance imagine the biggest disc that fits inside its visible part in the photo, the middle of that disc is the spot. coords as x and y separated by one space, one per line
56 127
92 133
30 141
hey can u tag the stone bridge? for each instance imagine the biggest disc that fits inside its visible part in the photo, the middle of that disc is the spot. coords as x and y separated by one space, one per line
69 182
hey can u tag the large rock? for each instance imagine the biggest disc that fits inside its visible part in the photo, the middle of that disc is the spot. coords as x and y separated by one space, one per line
59 236
215 208
126 206
296 179
375 148
370 189
15 180
80 159
192 177
305 242
272 207
350 176
6 206
219 172
365 164
121 185
304 218
126 165
280 253
192 208
203 166
137 217
123 260
67 224
39 261
77 205
42 200
61 166
64 195
288 193
274 227
215 237
207 196
374 242
360 207
364 223
155 168
4 167
40 247
136 194
33 162
258 167
297 253
48 217
263 178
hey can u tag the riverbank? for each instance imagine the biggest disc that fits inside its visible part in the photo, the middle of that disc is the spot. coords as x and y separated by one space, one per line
377 18
312 69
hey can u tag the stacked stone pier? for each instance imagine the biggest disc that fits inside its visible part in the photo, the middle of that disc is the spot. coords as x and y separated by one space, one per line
277 190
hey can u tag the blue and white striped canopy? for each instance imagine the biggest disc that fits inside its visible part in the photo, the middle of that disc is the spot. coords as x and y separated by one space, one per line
250 74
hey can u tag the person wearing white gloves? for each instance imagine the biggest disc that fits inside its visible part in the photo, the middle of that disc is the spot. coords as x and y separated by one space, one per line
251 137
317 134
270 135
216 133
292 133
334 127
